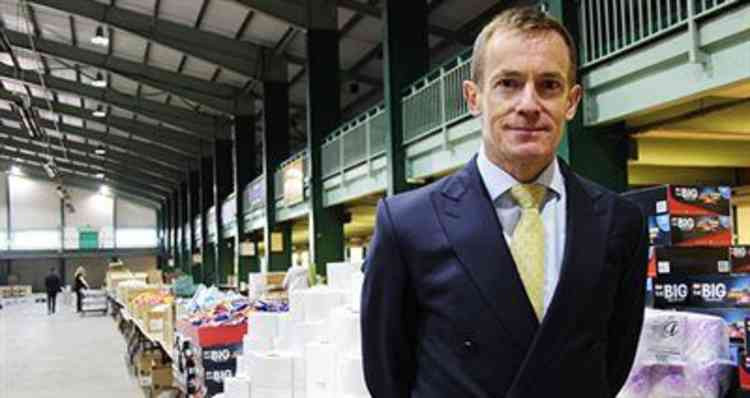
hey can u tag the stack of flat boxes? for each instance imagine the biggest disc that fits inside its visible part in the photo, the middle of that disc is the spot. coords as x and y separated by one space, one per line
692 265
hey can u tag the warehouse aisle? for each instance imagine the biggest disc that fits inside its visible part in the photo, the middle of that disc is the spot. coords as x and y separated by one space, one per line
61 356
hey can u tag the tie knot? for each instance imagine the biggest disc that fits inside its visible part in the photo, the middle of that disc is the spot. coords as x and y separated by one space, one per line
528 196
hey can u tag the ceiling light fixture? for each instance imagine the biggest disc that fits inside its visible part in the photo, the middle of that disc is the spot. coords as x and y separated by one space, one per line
51 169
99 39
100 150
100 176
100 81
22 106
99 112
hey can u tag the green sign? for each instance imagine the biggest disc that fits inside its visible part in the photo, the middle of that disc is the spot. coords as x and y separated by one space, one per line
88 239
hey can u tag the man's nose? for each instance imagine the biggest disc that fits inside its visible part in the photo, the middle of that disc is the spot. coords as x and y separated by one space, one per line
528 101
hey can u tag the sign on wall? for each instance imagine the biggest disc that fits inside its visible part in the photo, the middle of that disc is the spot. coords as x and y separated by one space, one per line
293 180
88 238
255 196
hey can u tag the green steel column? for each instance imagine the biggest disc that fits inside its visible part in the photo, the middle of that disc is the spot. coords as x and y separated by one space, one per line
195 211
323 114
223 184
175 228
188 237
406 57
207 274
244 156
275 151
281 261
184 259
601 153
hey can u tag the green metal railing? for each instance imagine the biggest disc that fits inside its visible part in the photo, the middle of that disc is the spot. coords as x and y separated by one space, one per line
355 142
611 27
436 101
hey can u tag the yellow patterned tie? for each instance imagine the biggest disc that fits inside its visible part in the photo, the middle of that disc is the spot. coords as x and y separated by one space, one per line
527 245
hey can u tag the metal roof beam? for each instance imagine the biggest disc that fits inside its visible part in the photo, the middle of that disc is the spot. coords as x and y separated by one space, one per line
167 162
222 97
211 47
37 172
200 126
63 160
112 157
161 136
152 190
295 13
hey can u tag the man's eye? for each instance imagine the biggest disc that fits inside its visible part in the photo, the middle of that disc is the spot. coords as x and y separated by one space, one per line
508 83
551 85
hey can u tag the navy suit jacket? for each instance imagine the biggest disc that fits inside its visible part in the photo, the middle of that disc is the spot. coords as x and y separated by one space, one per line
445 314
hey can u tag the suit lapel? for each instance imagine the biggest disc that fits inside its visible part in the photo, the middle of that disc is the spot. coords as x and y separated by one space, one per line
471 225
582 265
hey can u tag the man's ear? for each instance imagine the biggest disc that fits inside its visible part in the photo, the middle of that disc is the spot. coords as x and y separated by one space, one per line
471 95
574 98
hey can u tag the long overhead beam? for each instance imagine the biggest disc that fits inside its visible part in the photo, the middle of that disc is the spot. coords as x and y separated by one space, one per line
219 96
166 161
228 53
199 125
67 160
112 157
161 136
145 190
37 172
295 13
211 47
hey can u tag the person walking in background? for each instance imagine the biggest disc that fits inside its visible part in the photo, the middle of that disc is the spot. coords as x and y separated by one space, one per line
53 284
78 286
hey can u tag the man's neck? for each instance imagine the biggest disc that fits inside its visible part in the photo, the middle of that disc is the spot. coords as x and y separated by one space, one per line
522 171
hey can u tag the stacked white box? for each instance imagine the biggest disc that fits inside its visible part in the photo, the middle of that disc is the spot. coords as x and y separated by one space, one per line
344 330
273 374
321 374
339 275
320 301
237 387
351 377
358 280
262 331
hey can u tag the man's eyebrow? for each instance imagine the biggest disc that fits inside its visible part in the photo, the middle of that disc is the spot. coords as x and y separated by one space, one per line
553 75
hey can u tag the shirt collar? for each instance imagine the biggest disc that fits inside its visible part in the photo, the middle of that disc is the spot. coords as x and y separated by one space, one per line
498 181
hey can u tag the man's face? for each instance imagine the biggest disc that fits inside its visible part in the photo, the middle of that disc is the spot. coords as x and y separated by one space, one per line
524 97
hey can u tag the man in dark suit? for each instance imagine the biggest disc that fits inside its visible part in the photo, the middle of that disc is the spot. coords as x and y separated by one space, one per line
53 285
514 277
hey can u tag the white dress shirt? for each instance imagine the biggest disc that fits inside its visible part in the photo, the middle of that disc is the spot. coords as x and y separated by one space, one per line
498 183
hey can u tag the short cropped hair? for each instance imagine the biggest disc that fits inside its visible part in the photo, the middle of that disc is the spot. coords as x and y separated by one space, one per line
526 20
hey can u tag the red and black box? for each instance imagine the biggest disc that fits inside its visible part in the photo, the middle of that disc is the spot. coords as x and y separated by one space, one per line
739 257
690 231
683 200
666 260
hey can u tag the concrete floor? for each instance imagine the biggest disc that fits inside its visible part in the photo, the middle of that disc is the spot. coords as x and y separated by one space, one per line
61 356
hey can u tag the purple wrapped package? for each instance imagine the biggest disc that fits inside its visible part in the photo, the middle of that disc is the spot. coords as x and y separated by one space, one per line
680 355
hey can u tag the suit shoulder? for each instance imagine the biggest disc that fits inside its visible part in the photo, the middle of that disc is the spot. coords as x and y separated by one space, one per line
628 216
409 202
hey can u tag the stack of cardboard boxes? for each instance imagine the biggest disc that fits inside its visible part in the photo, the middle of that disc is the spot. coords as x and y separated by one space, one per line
692 263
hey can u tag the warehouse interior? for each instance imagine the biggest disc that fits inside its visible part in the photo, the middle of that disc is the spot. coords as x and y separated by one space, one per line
188 159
